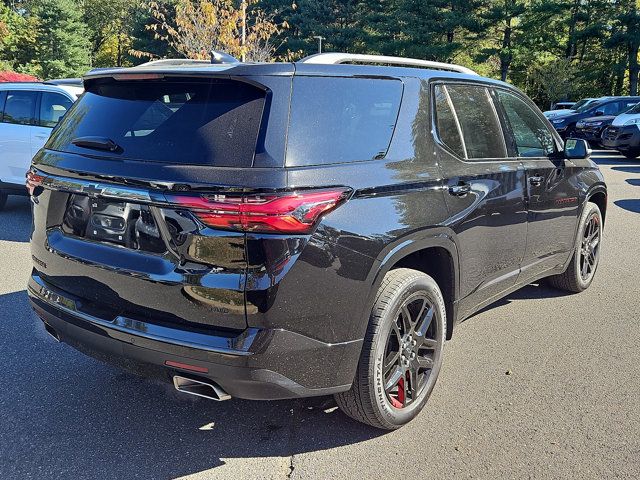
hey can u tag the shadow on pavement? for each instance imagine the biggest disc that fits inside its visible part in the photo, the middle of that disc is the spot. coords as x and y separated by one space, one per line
627 169
634 181
15 220
532 291
633 205
65 415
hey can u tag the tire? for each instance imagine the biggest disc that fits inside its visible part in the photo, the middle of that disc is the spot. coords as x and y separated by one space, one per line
370 399
578 276
631 154
3 200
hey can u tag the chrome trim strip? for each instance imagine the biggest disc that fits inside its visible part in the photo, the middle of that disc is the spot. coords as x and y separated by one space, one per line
94 189
141 329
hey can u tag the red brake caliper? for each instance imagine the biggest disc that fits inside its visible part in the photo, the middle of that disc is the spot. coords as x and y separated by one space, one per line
399 402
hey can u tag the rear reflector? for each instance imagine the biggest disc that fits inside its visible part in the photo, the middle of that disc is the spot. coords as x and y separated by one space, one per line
277 213
186 366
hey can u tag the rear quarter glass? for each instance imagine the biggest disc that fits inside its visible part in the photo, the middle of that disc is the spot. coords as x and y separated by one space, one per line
182 121
341 120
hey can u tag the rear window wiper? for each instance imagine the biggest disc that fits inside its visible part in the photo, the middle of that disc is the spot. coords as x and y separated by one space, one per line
98 143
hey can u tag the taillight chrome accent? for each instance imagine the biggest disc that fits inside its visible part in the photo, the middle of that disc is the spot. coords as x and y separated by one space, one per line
34 180
295 212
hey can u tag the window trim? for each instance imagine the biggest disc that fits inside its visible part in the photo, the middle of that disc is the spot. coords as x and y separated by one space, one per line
434 125
455 117
3 99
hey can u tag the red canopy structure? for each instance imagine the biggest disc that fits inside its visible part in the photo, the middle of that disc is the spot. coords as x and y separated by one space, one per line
16 77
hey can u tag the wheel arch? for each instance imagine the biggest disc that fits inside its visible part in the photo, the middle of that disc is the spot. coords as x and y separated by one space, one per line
437 256
599 197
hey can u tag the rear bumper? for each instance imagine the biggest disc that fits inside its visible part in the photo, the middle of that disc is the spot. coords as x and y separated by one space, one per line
622 138
258 364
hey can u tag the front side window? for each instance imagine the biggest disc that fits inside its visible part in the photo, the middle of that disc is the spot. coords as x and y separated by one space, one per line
481 130
20 107
52 107
608 108
446 122
531 136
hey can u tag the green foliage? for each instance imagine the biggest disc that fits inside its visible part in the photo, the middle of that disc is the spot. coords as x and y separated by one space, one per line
62 46
552 49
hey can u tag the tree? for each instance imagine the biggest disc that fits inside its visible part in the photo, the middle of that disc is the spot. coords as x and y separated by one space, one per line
627 25
62 46
556 79
502 27
199 26
110 24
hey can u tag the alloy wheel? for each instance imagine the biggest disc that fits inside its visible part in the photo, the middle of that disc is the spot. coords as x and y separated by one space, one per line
411 351
590 248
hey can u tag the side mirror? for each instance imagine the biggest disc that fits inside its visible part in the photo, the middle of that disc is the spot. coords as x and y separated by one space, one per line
576 149
599 113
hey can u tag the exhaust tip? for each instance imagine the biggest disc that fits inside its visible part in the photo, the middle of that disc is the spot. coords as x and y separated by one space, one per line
199 388
51 331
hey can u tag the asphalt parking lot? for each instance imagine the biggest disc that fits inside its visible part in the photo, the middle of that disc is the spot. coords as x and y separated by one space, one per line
570 407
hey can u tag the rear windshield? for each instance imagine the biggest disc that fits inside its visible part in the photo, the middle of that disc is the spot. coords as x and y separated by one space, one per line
196 122
338 120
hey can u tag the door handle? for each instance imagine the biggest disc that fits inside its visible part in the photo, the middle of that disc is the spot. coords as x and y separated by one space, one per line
459 190
536 180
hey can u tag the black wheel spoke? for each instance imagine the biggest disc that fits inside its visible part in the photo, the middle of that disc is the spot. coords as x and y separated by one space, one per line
425 362
429 343
412 388
390 361
406 319
425 322
396 330
393 378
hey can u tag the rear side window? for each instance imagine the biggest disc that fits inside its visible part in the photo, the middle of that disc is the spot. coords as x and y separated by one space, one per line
447 124
3 97
531 136
481 130
20 107
338 120
197 122
52 107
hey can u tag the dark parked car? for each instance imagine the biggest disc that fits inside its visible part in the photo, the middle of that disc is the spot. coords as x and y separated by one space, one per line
565 124
591 129
269 231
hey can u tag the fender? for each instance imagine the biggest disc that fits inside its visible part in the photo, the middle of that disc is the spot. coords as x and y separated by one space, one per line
389 256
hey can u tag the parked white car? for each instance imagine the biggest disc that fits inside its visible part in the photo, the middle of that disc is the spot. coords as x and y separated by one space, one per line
28 113
562 111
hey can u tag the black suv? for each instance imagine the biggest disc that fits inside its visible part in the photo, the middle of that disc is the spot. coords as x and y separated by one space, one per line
270 231
565 123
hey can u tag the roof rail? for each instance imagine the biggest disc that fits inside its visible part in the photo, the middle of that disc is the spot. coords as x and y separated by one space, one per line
338 58
168 62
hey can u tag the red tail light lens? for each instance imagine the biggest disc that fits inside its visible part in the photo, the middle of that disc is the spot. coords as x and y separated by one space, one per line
33 180
278 213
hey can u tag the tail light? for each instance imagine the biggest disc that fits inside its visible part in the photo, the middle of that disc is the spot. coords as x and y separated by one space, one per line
278 213
33 181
